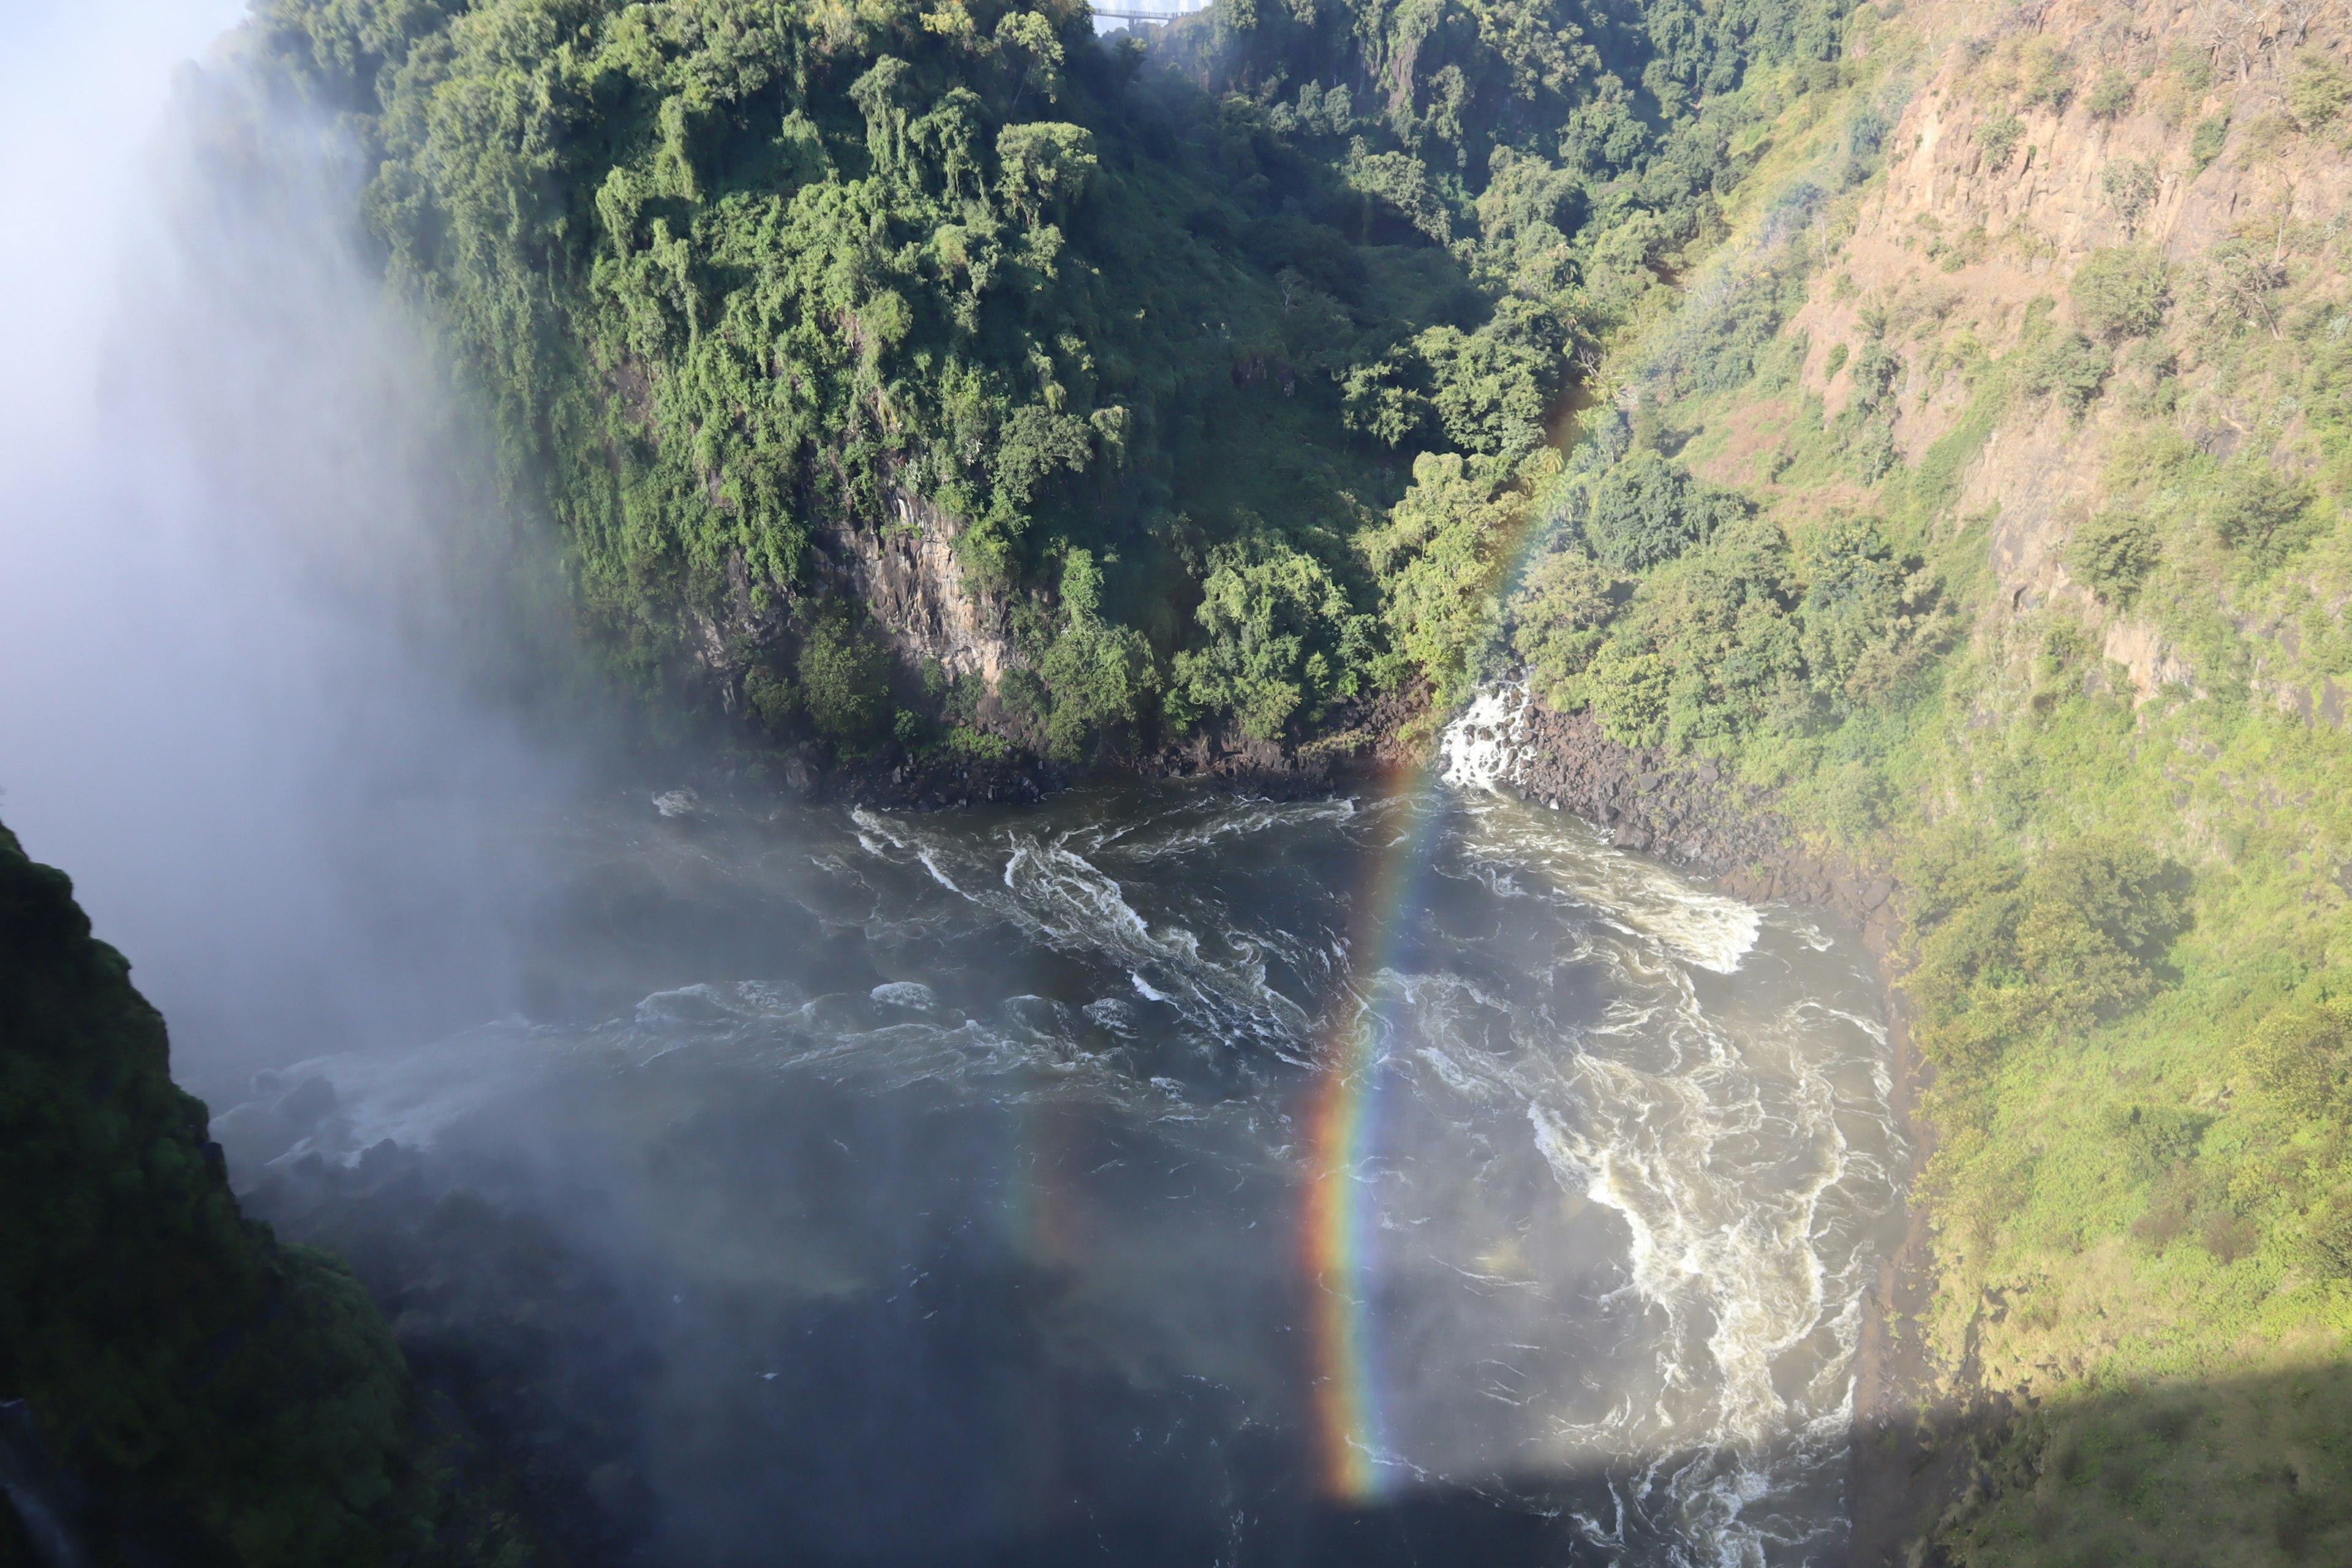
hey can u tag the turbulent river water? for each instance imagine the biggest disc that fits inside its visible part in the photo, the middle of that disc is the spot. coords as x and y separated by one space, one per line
935 1188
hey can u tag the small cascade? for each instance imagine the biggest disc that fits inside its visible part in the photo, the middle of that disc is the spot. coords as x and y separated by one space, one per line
1487 747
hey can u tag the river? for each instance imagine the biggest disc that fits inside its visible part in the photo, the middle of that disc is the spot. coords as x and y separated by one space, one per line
1154 1175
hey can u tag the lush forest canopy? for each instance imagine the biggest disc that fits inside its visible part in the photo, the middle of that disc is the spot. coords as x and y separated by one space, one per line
1229 362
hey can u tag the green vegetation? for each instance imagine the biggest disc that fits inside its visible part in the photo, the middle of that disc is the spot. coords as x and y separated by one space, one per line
744 281
2111 96
214 1397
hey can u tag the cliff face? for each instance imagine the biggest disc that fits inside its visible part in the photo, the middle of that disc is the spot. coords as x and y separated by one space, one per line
2059 134
174 1386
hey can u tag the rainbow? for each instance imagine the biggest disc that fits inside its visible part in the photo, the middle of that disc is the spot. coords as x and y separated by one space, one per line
1339 1224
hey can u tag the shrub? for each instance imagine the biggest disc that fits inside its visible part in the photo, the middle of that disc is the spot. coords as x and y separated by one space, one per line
1036 443
2121 293
1629 690
2113 553
2049 75
1283 639
843 679
2263 515
2110 96
1860 610
2316 93
2297 1059
2205 144
1649 509
1490 388
2006 954
2130 184
1997 134
1378 399
1099 674
1720 618
1561 614
2067 366
1875 454
772 698
1874 370
1437 558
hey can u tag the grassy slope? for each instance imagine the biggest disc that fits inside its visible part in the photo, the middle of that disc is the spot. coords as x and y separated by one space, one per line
2135 1237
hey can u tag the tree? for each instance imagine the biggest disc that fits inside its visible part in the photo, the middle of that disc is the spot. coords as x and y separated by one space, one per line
2121 292
1100 675
1281 640
1437 560
843 681
1648 508
1047 164
1559 617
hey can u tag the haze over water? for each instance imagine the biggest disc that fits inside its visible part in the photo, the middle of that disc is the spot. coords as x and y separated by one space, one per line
942 1190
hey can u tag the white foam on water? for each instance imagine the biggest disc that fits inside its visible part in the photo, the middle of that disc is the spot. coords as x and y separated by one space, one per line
1062 899
1486 750
1706 1124
1486 747
1720 1145
1567 861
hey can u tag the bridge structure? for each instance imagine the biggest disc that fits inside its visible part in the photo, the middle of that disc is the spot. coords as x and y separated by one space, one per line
1130 12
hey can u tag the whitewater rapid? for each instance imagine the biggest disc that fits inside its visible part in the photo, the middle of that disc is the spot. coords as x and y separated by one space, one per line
1629 1169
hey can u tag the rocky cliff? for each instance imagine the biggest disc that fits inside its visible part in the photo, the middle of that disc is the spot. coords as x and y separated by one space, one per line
175 1387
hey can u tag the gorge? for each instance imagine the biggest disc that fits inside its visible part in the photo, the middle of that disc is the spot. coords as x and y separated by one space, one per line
1470 782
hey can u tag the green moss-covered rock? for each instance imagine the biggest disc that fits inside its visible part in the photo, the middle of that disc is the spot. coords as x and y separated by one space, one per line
199 1393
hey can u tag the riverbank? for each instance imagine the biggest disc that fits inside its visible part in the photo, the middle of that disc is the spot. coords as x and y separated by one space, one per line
1686 812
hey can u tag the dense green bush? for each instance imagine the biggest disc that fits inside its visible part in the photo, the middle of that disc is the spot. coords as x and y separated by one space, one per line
2121 292
843 679
1649 509
2318 89
2007 952
2298 1056
1862 611
1101 676
1281 640
1563 606
2110 96
2262 514
1629 689
1438 559
2068 367
2114 550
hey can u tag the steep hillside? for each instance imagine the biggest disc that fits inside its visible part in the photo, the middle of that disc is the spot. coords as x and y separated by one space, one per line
928 382
174 1387
2019 567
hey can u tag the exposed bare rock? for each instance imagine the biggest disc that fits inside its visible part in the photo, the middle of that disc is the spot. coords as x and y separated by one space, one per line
908 574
